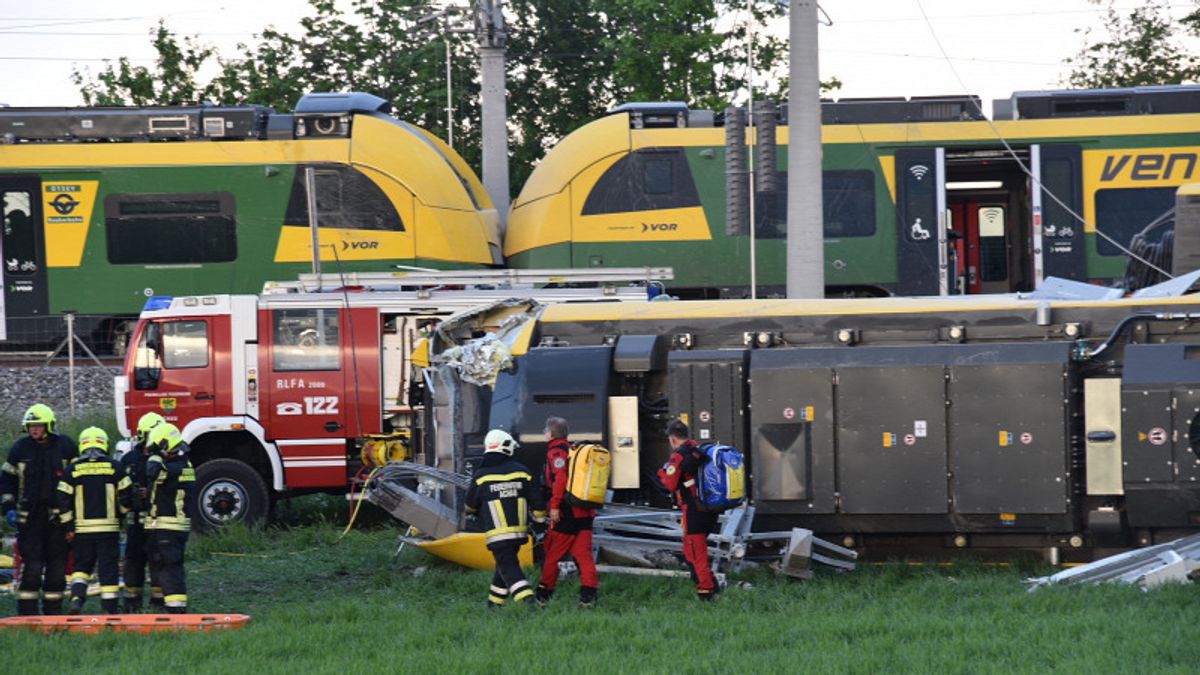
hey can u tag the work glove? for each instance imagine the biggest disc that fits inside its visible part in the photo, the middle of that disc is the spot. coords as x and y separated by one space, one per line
11 518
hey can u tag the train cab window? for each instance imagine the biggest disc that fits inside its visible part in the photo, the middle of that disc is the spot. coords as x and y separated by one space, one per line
171 345
171 228
1122 213
305 339
20 238
346 199
644 180
657 177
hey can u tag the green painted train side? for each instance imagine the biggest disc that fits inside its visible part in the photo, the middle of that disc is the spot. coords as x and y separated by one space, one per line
720 264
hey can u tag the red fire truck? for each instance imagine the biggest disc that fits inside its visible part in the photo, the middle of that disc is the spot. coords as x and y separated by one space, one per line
277 394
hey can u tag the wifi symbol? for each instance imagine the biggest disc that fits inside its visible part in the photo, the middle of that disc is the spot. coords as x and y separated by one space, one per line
918 171
990 215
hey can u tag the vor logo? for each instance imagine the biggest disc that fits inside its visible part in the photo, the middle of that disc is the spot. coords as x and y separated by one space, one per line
63 204
659 227
358 245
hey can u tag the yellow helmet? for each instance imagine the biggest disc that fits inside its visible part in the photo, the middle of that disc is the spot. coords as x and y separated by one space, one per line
38 413
93 438
146 423
164 438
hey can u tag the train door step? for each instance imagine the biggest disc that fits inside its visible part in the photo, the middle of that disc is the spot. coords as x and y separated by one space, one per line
127 623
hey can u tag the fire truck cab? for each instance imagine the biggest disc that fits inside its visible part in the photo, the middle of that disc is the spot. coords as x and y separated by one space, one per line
277 394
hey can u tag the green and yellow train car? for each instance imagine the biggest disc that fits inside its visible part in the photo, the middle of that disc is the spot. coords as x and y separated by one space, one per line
921 196
104 207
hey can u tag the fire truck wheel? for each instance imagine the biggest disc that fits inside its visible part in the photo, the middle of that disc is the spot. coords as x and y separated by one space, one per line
229 491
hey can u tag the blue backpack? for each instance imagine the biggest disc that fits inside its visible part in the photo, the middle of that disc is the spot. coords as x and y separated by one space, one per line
722 479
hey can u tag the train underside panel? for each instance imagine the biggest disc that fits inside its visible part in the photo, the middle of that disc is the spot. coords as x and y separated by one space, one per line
1015 435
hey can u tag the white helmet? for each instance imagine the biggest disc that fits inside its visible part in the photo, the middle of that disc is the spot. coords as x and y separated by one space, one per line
498 440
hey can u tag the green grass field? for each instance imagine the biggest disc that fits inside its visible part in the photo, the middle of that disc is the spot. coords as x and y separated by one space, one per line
324 605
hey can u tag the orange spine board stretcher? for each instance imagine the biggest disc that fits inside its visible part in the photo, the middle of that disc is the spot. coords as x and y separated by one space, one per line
127 623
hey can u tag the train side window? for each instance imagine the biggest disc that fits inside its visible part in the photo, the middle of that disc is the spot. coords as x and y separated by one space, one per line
847 202
346 199
171 228
20 239
650 179
1121 213
305 339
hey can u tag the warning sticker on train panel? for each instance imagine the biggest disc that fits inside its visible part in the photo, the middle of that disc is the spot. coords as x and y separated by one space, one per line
789 413
889 440
705 416
920 428
910 439
1026 438
1157 436
1005 439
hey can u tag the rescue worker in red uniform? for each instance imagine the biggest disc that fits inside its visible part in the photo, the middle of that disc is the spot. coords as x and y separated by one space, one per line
679 476
29 498
93 494
172 481
136 554
503 491
570 526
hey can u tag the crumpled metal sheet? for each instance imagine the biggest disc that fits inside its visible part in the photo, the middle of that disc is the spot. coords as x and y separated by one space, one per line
479 361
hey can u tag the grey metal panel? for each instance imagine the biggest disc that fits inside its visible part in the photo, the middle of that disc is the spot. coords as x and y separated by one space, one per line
792 454
1146 426
1167 364
884 463
708 388
1008 445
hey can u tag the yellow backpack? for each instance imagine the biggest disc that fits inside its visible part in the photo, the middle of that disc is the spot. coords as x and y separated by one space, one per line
587 475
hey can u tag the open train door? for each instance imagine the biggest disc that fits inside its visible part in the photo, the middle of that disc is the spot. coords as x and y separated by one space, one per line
922 255
1057 234
24 250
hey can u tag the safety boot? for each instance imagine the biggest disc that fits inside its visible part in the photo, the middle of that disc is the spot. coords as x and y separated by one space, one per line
587 597
542 595
76 606
132 606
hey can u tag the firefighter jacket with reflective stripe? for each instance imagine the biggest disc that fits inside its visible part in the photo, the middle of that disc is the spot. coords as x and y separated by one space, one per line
29 479
172 481
93 493
503 492
134 465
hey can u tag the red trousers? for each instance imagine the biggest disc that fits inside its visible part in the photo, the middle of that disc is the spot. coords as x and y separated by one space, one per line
557 545
695 551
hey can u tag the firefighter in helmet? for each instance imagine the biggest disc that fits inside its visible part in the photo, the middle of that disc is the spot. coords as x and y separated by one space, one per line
136 557
171 481
28 497
502 490
91 494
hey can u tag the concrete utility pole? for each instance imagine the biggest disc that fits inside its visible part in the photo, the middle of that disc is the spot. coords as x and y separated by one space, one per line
489 28
805 226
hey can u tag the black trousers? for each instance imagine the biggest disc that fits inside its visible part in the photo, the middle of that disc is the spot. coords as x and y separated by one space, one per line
98 553
509 580
137 556
43 547
166 564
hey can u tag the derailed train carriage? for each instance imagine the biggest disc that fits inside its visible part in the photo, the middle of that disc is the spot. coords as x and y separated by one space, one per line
994 421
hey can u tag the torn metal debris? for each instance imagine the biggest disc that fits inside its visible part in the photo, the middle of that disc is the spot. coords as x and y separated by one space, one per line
1147 567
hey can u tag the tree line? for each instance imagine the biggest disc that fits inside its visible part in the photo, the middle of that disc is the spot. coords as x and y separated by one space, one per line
568 62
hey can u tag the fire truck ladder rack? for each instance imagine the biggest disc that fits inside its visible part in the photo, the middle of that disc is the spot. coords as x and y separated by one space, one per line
429 280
